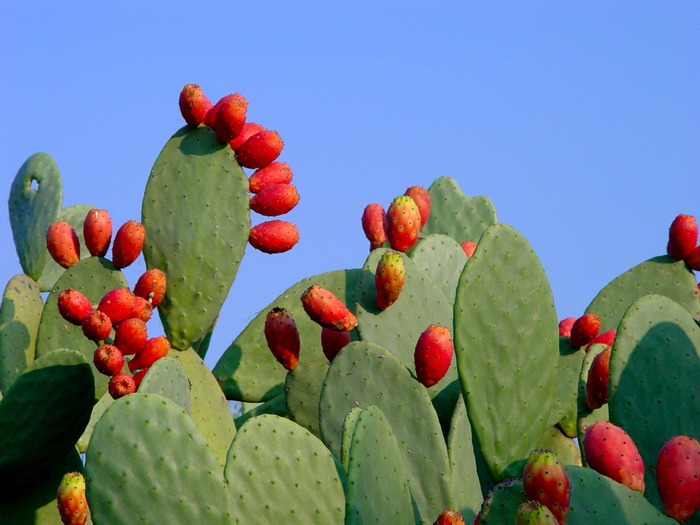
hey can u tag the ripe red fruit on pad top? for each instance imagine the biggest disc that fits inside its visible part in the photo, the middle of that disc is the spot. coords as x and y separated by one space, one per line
449 517
71 500
131 336
108 360
73 306
156 348
403 220
97 232
324 308
194 105
389 279
422 199
545 480
142 309
260 150
606 338
469 248
682 236
128 243
96 326
230 117
611 452
274 173
249 129
138 376
374 224
274 236
121 385
117 304
63 244
584 330
333 341
275 200
678 477
151 286
597 382
282 337
433 354
565 326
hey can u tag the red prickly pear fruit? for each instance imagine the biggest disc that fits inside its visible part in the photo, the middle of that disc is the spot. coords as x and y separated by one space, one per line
248 130
260 150
151 286
469 248
194 105
374 224
230 118
128 243
210 118
63 244
534 513
449 517
389 279
274 173
403 219
118 304
71 500
611 452
597 382
693 259
121 385
678 477
433 354
131 336
324 308
274 236
73 306
545 480
138 376
606 338
682 236
565 326
282 337
97 232
275 200
142 309
96 326
422 199
333 341
584 330
108 360
155 349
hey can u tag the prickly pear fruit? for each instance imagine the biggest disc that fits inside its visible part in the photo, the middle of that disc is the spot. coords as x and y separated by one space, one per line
333 341
230 118
282 337
606 338
469 248
693 259
274 173
275 200
565 326
534 513
71 501
585 328
63 244
128 243
682 236
194 105
374 224
96 326
449 517
612 453
389 279
403 219
327 310
73 306
422 199
433 354
151 286
155 349
118 304
131 336
120 385
108 360
138 376
545 480
678 477
260 150
142 309
248 130
274 236
210 118
97 232
597 382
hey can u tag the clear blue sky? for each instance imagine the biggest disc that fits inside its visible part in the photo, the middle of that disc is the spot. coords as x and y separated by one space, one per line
581 123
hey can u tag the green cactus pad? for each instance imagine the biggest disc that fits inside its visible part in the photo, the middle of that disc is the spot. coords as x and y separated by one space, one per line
453 213
564 447
208 406
654 377
276 406
586 417
247 371
147 458
167 378
507 346
364 374
302 392
466 489
502 503
196 186
377 484
93 277
348 429
97 410
75 216
442 259
44 413
568 371
278 472
398 328
33 211
662 275
19 321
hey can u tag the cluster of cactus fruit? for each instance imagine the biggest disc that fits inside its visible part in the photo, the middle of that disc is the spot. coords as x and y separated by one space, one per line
434 385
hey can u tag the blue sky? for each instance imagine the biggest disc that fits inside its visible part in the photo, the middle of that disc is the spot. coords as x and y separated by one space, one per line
581 123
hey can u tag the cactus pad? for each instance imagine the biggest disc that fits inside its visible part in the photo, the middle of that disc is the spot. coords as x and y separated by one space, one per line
167 378
442 259
302 392
466 489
